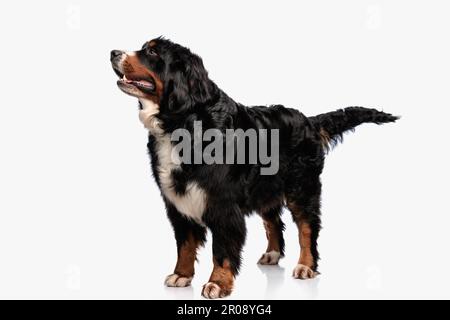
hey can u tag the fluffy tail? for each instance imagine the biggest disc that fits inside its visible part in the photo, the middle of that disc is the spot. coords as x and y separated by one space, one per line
332 125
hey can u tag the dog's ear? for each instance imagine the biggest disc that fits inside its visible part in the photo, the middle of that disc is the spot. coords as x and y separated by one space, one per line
189 85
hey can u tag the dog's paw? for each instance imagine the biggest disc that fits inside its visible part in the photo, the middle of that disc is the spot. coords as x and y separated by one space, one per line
212 290
271 257
175 280
303 272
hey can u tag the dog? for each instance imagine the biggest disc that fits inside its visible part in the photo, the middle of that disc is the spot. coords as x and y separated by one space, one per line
174 91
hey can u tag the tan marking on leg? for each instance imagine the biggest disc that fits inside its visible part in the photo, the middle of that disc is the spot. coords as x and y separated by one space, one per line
220 283
304 236
186 257
272 236
184 269
304 270
272 254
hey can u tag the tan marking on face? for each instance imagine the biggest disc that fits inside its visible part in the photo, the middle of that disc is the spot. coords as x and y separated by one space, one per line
223 277
186 257
133 68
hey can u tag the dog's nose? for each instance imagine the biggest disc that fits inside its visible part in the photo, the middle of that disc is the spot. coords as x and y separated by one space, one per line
116 53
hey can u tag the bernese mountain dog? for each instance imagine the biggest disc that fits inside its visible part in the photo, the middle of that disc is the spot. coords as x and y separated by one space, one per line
175 92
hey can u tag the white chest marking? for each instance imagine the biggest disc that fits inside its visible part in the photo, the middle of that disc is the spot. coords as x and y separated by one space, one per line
193 202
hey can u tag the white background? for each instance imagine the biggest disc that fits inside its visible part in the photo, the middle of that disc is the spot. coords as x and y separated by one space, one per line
80 215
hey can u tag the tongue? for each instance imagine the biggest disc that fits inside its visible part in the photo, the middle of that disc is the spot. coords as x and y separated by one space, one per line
144 83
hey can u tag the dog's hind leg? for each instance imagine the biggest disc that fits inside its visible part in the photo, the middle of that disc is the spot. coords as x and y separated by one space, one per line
189 236
274 227
305 208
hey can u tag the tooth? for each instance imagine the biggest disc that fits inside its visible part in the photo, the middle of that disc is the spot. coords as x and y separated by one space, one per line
124 77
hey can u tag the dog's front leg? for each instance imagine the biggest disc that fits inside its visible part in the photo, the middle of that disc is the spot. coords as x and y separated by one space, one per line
274 232
228 230
189 237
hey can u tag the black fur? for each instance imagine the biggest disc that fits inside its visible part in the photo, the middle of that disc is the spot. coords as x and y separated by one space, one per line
238 190
337 122
273 215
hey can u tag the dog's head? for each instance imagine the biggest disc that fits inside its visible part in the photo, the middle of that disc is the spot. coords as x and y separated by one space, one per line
165 73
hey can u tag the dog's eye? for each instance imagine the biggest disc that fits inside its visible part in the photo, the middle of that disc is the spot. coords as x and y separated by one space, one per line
152 52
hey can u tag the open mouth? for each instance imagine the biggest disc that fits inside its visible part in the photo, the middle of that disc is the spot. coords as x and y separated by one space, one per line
144 84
